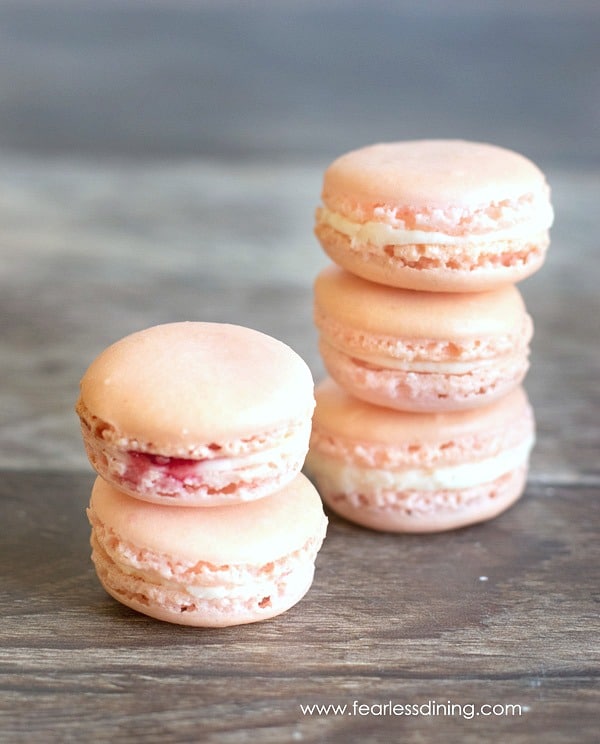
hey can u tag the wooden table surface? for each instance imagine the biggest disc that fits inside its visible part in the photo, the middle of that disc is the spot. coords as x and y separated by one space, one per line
163 163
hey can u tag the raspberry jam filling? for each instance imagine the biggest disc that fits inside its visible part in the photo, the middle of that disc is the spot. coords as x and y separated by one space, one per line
175 467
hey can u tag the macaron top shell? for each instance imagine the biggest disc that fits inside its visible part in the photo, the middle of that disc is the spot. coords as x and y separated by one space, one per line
361 304
436 174
192 382
342 416
253 533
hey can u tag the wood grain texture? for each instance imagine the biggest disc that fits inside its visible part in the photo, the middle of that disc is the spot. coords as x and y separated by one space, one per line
389 618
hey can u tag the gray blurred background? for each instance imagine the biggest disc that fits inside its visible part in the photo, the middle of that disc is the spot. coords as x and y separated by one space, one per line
290 80
162 160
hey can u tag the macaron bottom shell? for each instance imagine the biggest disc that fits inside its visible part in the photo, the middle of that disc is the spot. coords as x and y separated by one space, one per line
181 606
207 482
426 511
435 268
405 390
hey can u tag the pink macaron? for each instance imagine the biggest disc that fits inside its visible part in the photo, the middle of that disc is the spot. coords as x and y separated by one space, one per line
227 565
435 215
421 351
197 414
416 472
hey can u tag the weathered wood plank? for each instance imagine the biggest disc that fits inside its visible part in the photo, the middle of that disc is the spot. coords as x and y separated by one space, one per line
389 618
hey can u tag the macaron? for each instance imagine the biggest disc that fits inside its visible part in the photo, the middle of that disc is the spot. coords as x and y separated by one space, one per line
435 215
228 565
197 414
415 472
421 351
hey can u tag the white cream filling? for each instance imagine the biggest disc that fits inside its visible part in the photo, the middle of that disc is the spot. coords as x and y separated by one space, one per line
446 367
230 592
301 575
244 591
381 234
242 585
336 475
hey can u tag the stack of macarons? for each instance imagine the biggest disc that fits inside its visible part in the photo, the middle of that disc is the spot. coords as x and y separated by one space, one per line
200 514
423 424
